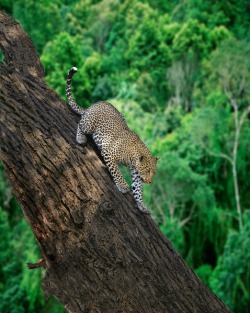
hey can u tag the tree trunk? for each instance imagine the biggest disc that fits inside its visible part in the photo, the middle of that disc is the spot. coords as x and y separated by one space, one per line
101 253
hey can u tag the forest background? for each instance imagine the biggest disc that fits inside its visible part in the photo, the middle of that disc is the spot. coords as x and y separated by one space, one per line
179 71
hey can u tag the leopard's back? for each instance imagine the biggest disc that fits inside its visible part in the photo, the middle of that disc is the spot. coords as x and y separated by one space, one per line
106 118
105 123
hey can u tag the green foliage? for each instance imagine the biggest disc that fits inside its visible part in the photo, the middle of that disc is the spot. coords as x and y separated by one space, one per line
5 191
144 45
37 15
6 6
1 57
187 202
56 72
231 277
213 127
231 66
229 13
101 26
172 68
204 272
192 35
4 239
173 230
77 17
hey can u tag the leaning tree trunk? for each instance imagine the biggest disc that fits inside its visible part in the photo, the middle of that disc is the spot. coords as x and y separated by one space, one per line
101 253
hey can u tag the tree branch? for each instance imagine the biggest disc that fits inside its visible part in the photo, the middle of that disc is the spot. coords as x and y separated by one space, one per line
217 155
101 253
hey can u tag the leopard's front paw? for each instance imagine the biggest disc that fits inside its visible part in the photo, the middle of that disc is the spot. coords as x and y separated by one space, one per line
142 207
123 188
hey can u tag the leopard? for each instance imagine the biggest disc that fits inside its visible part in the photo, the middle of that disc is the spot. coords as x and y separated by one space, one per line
116 143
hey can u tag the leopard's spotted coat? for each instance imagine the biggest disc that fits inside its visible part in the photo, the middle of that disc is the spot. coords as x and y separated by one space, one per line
117 143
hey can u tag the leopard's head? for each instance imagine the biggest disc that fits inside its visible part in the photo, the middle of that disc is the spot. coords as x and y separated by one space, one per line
146 166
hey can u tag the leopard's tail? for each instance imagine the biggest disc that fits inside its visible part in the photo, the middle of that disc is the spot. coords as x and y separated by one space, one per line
72 102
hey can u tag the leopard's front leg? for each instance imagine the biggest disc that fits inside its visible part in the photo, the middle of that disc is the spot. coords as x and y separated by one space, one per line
115 172
138 190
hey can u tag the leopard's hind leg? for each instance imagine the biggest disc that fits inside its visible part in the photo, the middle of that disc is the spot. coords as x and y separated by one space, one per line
80 135
85 126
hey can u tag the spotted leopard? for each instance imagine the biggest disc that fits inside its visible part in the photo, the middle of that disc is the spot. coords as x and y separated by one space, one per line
117 143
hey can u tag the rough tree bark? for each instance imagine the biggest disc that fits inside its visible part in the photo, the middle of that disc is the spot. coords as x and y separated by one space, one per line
101 253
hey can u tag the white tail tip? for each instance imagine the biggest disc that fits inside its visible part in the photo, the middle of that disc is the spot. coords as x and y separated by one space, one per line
74 69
